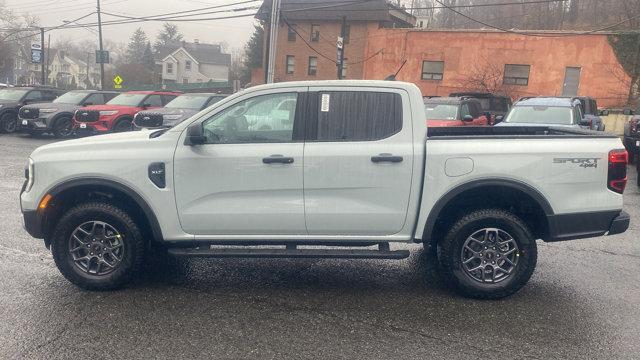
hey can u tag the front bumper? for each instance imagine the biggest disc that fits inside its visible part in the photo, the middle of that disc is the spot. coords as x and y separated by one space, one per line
88 129
33 223
39 124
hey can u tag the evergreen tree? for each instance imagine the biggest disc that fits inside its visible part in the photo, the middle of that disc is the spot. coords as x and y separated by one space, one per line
137 45
168 36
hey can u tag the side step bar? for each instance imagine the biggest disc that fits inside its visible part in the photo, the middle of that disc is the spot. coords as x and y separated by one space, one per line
291 251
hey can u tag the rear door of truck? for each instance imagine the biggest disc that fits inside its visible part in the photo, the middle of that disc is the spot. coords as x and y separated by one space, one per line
358 161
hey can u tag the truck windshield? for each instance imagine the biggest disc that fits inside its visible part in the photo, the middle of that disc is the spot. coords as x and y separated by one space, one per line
12 94
441 111
127 99
194 102
72 97
540 115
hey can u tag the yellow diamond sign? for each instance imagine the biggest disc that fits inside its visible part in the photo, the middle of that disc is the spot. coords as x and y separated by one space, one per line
117 81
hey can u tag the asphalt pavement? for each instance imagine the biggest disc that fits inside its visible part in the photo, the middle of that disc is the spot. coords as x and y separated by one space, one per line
583 302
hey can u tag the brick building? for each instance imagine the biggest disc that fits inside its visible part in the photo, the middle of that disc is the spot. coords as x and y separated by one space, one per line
381 38
306 44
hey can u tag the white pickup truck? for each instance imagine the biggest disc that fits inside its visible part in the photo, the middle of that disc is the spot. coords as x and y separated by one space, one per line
350 171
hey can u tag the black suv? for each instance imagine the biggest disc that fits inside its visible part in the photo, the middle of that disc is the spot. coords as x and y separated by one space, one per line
12 99
57 117
494 105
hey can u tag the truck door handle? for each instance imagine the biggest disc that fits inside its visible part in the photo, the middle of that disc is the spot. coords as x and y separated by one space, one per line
386 158
277 159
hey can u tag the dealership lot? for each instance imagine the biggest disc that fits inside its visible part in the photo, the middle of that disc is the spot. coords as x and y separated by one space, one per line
582 302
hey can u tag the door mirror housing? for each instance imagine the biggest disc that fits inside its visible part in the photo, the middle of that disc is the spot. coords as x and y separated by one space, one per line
467 118
499 119
604 112
195 135
586 122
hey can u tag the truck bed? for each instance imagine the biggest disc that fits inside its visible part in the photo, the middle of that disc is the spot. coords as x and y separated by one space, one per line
520 132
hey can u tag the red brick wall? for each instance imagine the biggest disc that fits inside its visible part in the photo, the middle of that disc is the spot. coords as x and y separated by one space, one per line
462 52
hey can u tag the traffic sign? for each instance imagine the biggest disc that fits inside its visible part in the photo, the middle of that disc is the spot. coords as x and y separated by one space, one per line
102 57
117 82
340 42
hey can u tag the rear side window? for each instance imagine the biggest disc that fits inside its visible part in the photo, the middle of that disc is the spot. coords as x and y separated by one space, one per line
355 116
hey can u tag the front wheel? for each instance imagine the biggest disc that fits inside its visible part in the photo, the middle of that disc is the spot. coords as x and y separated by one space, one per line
97 246
488 254
8 123
123 125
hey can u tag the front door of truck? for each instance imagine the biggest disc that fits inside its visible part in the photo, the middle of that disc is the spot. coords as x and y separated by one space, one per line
247 177
358 162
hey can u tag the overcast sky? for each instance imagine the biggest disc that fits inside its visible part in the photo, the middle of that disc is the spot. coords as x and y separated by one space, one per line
52 12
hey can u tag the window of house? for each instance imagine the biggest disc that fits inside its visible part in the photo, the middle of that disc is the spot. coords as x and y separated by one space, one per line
169 68
291 64
37 67
185 80
291 34
315 32
516 74
264 119
313 65
432 70
356 116
187 65
344 68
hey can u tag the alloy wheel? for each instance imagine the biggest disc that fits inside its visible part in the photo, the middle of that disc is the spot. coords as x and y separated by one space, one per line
490 255
96 248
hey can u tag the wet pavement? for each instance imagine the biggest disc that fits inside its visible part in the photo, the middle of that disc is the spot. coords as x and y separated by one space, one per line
583 301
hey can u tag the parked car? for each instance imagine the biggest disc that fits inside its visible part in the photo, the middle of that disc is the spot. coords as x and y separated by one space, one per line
493 104
117 114
454 111
632 132
176 111
57 117
358 167
12 99
546 111
591 114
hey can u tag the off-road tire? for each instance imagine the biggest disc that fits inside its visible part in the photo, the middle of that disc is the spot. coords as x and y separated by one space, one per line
132 239
450 249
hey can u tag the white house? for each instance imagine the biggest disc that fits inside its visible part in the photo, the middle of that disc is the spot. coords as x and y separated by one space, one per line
195 63
65 71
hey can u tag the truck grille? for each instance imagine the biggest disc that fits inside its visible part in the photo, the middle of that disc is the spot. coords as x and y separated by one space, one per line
149 120
29 113
87 115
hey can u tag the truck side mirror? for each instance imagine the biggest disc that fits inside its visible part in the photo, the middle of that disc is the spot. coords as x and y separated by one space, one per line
195 135
499 119
467 118
586 122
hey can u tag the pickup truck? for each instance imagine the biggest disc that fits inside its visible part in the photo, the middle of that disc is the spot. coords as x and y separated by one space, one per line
355 174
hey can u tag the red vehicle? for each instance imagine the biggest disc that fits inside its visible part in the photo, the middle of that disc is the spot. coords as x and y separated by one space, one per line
454 111
117 114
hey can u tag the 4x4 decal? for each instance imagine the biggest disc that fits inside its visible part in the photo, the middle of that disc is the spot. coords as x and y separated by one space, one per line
581 162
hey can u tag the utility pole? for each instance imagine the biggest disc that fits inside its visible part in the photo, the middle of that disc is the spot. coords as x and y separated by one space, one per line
42 63
273 37
87 81
101 49
340 44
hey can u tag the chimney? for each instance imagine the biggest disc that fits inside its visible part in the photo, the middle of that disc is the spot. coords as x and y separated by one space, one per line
196 41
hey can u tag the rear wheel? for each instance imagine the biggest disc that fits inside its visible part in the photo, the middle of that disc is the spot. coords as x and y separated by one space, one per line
97 246
8 123
488 254
123 125
63 128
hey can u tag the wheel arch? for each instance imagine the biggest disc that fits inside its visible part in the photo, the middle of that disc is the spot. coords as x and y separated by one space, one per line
520 198
72 192
59 116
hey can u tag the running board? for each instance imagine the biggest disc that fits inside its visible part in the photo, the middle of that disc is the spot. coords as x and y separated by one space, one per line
291 251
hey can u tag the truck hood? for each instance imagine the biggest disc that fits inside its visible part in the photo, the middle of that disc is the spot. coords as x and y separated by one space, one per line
92 144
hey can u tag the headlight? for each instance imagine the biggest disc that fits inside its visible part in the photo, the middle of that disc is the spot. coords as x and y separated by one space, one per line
47 111
28 174
108 112
172 117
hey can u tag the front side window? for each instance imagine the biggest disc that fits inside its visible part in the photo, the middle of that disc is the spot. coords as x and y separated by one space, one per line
153 100
516 74
95 99
465 110
33 95
261 119
432 70
356 116
291 64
